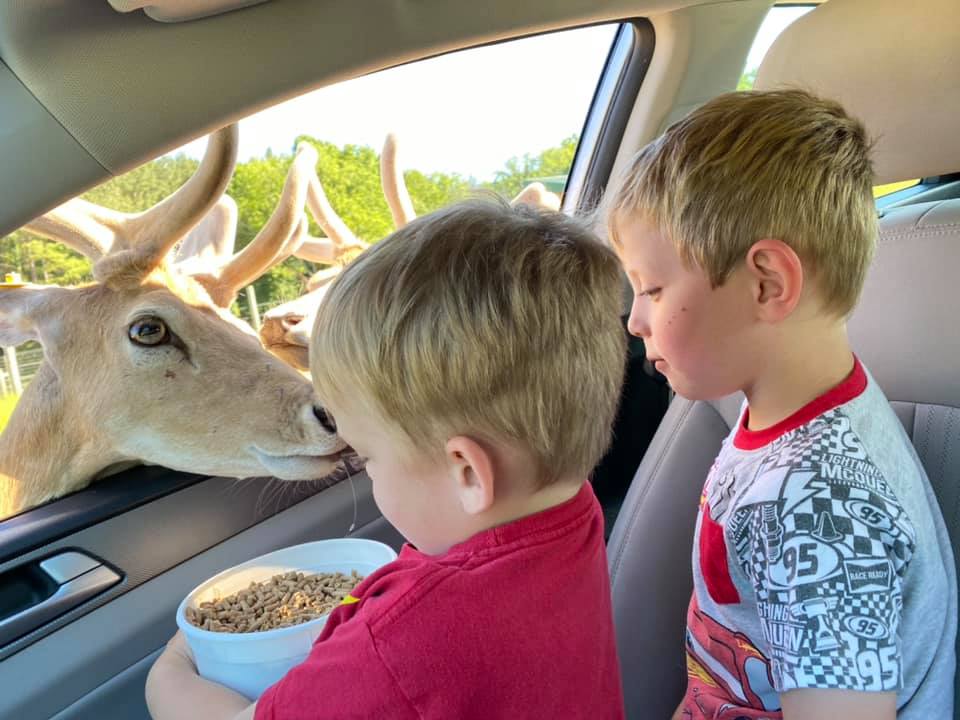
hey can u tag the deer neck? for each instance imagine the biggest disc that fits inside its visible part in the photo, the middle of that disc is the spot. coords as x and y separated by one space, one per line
45 452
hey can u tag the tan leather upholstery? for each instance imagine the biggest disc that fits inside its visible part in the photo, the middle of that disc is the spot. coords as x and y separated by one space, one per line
896 65
905 330
893 64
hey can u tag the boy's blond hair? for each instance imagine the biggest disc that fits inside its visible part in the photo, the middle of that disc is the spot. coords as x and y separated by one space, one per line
751 165
486 320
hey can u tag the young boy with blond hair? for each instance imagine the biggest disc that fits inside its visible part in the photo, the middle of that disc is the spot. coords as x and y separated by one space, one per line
475 359
823 574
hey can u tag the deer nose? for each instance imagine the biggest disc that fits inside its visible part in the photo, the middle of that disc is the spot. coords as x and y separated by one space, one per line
289 322
325 420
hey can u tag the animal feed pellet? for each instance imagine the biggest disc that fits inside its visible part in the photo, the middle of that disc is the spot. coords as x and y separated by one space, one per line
282 601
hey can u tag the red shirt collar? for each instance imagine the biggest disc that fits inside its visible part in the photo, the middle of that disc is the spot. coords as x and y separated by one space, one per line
854 384
577 509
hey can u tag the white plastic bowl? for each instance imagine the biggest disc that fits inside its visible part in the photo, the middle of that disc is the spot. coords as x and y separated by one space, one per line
251 662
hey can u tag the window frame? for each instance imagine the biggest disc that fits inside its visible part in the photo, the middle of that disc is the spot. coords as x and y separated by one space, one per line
125 491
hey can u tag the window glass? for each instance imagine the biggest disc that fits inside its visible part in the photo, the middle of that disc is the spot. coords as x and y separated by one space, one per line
880 190
494 118
777 20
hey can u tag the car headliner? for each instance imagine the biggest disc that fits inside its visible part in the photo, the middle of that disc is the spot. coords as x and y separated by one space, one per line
87 92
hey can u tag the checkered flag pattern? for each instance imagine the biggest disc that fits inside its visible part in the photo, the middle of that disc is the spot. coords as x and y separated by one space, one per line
819 671
825 542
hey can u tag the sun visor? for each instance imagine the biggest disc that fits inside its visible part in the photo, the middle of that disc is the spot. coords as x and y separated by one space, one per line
172 11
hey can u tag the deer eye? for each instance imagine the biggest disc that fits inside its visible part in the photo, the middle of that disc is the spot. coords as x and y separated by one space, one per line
148 331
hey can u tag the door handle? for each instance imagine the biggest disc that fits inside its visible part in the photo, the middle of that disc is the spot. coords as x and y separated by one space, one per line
41 591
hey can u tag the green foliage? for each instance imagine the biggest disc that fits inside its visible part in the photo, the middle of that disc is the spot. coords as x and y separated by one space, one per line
519 171
351 180
350 177
256 187
41 261
434 191
747 80
145 186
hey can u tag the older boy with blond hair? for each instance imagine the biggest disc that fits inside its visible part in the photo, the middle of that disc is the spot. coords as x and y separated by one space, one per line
823 575
475 359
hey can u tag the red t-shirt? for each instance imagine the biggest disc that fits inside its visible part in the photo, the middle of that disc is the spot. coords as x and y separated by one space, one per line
513 623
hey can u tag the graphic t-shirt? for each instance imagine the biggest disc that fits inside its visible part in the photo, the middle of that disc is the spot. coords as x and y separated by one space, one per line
821 560
516 622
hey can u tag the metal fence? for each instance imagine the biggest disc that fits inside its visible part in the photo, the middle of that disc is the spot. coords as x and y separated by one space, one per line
18 366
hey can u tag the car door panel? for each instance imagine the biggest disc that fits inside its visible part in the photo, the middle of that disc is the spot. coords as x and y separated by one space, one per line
166 532
163 549
151 538
120 697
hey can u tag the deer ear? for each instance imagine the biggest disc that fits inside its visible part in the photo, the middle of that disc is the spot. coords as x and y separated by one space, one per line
30 312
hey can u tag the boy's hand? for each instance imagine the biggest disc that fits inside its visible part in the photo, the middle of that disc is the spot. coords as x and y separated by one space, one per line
178 652
175 690
848 704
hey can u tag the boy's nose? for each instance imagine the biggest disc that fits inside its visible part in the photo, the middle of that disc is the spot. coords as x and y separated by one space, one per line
637 324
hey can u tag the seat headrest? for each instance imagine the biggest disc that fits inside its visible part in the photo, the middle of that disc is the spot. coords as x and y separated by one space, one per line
893 64
905 328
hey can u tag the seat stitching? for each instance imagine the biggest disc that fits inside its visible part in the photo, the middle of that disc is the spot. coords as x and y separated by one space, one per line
919 228
922 405
918 232
951 418
913 419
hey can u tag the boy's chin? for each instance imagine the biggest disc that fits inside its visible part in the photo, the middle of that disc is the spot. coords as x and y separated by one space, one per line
689 395
694 392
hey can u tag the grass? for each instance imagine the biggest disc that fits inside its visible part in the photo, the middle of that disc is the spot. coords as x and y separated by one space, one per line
7 403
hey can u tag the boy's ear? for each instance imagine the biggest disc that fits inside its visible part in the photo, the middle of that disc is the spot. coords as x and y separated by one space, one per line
31 312
777 278
472 470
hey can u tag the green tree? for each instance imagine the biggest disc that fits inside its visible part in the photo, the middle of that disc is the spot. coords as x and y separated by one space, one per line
256 186
747 80
434 191
351 179
43 261
144 186
519 171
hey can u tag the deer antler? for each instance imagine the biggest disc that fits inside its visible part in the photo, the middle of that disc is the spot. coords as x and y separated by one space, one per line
146 238
340 241
128 246
394 187
286 328
267 248
318 250
224 279
87 228
322 277
333 227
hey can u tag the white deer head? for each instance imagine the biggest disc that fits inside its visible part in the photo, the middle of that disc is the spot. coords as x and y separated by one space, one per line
145 363
286 328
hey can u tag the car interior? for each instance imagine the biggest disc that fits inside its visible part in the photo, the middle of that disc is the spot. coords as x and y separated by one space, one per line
92 89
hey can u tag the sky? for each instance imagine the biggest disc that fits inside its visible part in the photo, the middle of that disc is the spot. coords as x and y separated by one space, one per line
466 112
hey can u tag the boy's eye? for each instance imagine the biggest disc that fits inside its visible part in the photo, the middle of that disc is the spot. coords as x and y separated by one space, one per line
652 292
